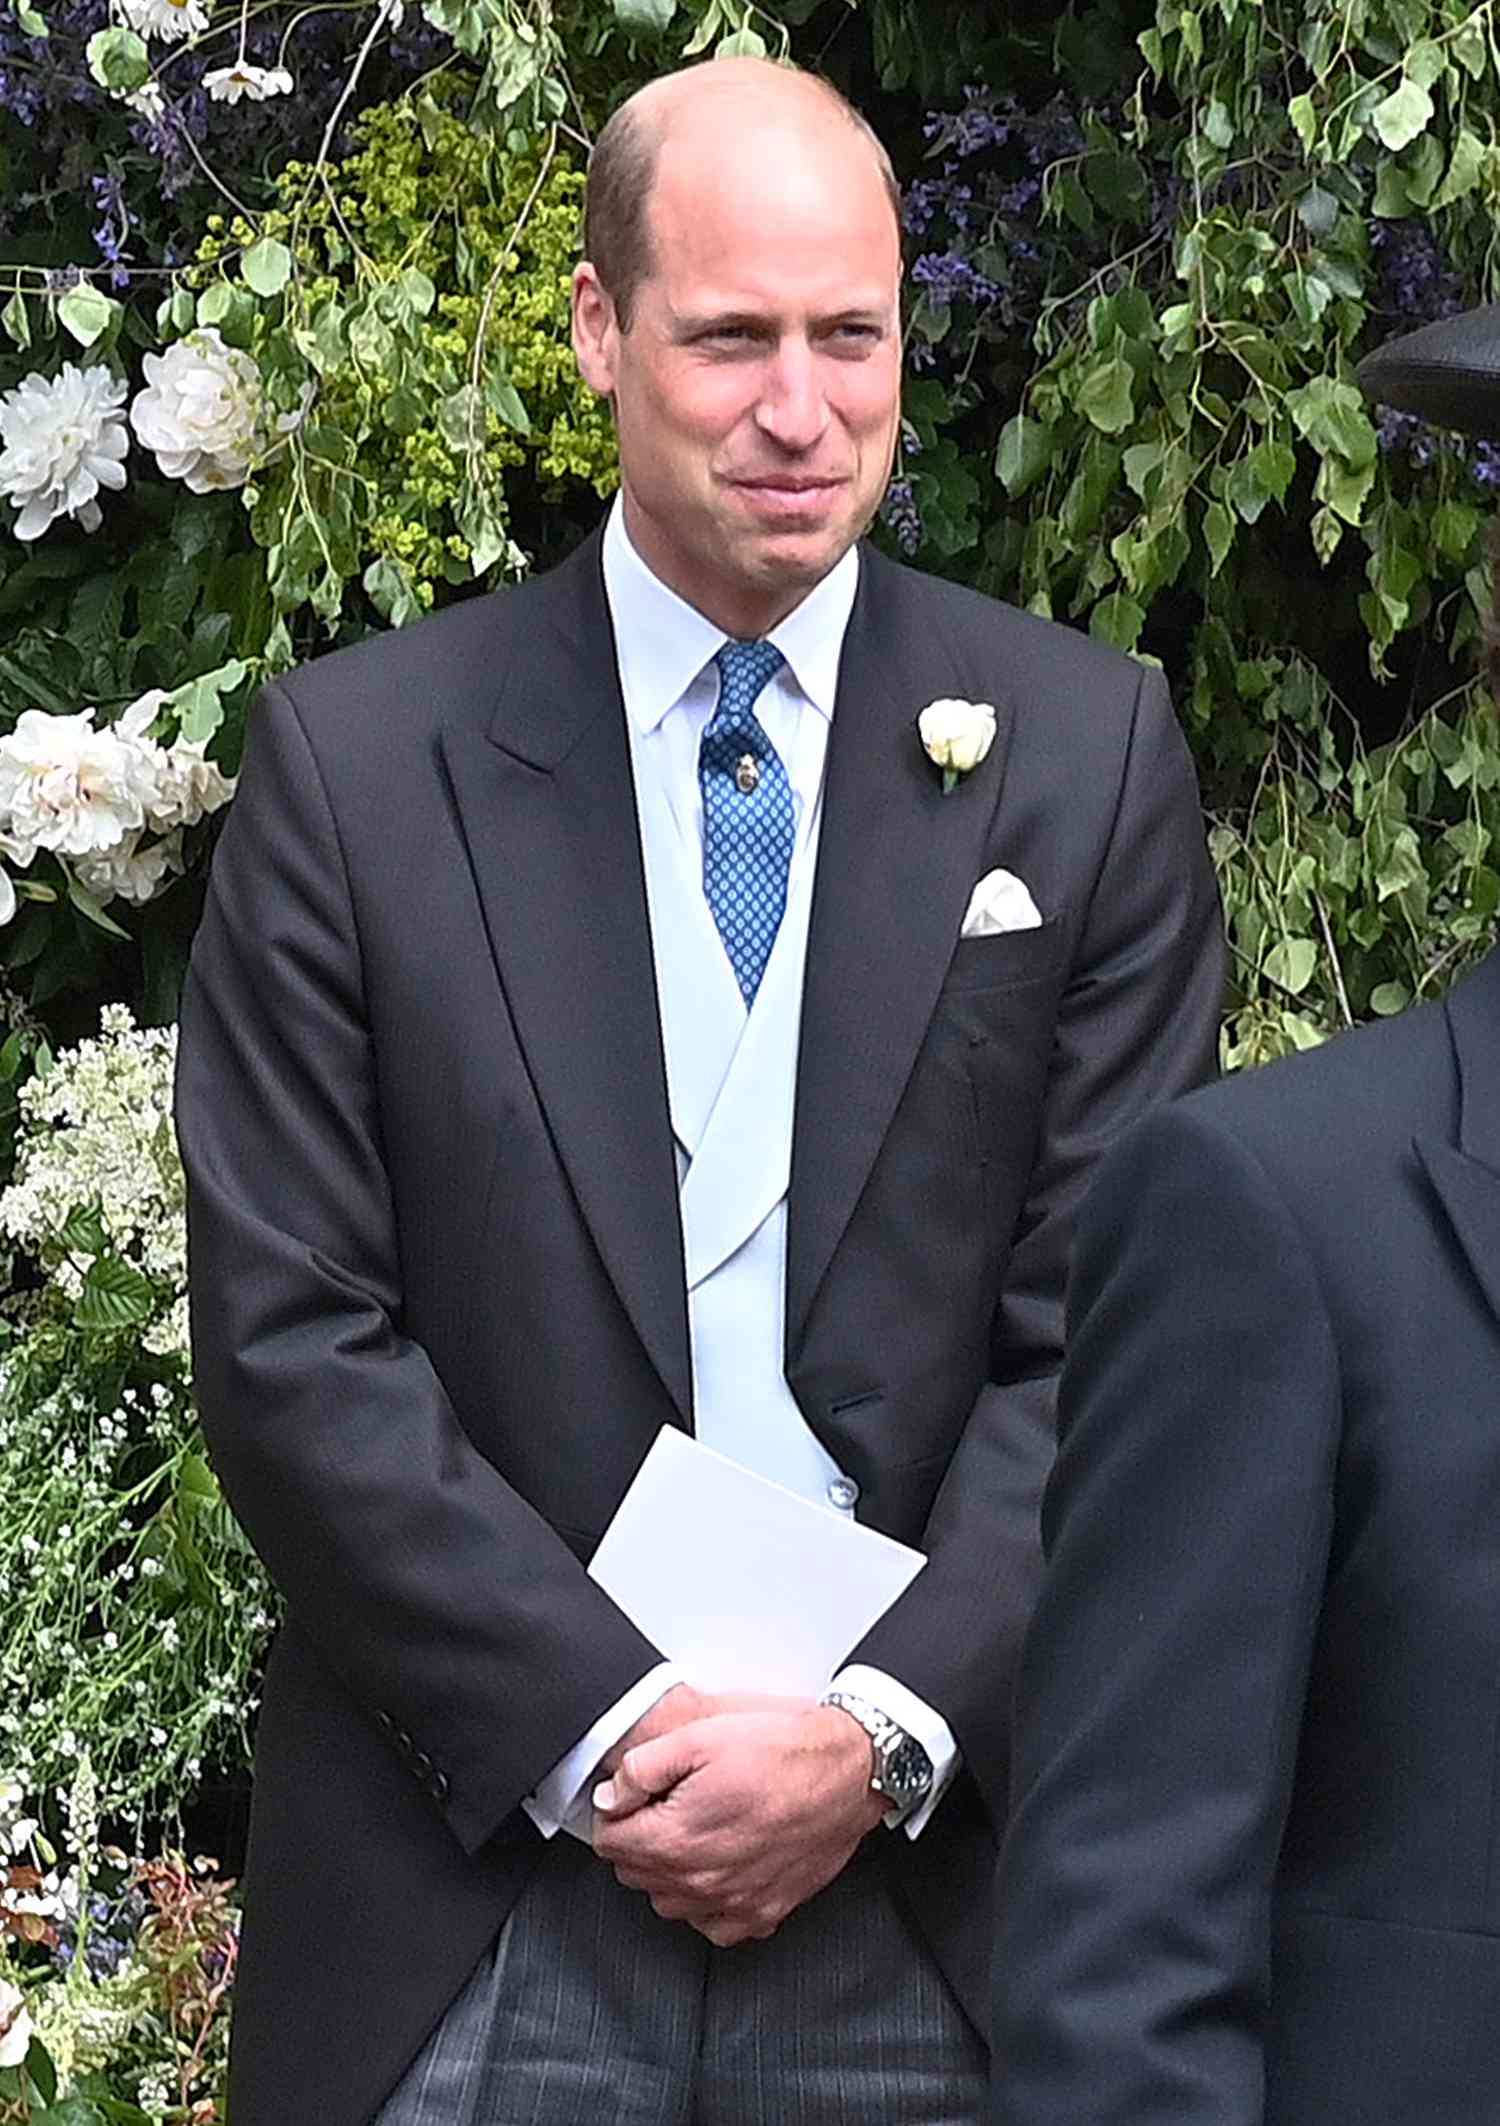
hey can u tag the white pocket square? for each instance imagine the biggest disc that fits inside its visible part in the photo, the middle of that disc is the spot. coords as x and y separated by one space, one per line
998 903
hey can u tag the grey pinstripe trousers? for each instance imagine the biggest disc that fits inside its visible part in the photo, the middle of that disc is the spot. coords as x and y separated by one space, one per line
591 2011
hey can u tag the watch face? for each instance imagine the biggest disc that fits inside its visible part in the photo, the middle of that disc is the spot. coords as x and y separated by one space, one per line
905 1772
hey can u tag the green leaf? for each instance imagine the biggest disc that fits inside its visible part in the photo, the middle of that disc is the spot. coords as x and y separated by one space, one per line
33 23
418 289
1024 452
114 1296
199 702
266 267
118 60
1304 120
1468 46
1345 489
1106 396
1464 169
1389 998
1425 63
196 1479
87 313
644 17
741 44
17 321
215 303
1275 467
1404 115
43 2073
1453 527
83 1231
73 2111
87 906
1291 963
1317 210
1332 417
1218 532
1392 200
1117 619
1218 124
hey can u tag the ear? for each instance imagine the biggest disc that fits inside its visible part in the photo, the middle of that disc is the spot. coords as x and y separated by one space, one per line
596 330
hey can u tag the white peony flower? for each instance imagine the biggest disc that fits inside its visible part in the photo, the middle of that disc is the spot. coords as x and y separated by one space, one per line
170 20
7 899
66 787
15 2025
227 84
956 735
202 411
129 873
190 786
62 438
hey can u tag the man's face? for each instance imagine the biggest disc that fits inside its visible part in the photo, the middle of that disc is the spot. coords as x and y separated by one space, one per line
757 390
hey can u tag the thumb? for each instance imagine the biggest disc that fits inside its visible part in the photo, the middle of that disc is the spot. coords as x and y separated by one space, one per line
645 1773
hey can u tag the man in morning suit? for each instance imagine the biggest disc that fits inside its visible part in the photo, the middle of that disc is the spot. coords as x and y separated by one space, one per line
1252 1874
595 1027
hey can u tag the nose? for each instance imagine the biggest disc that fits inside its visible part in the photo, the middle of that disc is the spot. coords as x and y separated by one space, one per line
792 409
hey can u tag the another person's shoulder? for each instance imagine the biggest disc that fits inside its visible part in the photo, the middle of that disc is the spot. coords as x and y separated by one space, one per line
1326 1126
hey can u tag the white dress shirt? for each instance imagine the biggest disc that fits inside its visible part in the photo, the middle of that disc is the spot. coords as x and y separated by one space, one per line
665 651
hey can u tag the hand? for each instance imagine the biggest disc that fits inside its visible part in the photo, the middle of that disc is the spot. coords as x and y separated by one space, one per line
675 1708
732 1821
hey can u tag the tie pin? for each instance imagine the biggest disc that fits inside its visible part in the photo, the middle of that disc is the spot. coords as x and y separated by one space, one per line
746 774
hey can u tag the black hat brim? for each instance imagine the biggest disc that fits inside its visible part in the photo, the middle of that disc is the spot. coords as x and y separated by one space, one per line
1447 372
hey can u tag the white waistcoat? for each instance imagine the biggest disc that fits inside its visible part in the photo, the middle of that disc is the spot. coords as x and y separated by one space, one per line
731 1082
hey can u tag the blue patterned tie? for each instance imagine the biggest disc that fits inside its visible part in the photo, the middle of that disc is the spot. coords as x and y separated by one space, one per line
747 815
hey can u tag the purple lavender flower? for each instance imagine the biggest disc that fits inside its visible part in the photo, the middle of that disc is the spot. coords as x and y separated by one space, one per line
899 511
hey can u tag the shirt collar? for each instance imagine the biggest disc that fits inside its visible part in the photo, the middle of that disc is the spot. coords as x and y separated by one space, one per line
662 643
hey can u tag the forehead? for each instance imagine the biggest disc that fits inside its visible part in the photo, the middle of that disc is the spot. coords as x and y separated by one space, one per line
758 204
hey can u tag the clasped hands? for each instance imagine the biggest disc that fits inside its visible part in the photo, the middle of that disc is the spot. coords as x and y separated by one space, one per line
730 1812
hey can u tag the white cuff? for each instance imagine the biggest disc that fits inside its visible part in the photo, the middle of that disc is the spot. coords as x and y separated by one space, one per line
921 1723
561 1801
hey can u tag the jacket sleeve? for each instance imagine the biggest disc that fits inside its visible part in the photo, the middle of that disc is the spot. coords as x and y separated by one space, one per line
1137 1023
1187 1527
448 1608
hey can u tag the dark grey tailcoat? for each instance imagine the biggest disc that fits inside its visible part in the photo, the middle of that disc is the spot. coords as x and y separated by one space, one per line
437 1270
1252 1876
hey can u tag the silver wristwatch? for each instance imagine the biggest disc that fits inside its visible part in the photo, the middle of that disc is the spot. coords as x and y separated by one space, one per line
903 1769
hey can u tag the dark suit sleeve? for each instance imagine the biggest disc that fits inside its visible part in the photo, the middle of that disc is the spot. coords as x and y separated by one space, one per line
449 1608
1187 1528
1137 1023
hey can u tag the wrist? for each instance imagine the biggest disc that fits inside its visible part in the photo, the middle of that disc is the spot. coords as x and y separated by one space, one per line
852 1753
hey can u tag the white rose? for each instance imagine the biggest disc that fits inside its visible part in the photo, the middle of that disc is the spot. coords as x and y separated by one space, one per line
15 2025
189 788
66 787
202 412
956 735
128 872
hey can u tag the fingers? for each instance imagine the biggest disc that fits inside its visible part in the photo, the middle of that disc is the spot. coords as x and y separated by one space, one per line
643 1774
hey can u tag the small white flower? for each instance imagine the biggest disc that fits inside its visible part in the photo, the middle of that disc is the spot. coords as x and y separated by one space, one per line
147 102
62 438
189 788
202 411
956 735
170 20
227 84
15 2025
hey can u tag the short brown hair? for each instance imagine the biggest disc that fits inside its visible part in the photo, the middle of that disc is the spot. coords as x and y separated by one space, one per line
622 170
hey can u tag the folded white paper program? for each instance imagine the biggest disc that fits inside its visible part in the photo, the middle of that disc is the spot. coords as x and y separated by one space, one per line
743 1584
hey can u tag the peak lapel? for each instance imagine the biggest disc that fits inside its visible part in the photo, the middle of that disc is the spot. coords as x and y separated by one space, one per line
897 861
1467 1177
547 808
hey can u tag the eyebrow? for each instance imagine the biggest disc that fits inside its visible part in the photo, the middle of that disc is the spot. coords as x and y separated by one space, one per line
693 324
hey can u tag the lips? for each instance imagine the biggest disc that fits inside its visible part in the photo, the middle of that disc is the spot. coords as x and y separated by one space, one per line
793 497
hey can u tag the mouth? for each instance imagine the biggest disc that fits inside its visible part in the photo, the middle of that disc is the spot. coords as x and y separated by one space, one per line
789 496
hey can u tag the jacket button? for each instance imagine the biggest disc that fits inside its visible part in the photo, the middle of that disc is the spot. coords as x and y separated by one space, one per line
843 1493
385 1723
421 1763
437 1787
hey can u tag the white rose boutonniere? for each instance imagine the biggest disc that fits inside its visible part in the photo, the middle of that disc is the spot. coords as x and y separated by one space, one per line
955 736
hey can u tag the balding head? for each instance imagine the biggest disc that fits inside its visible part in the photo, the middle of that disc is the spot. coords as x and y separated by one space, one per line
714 102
